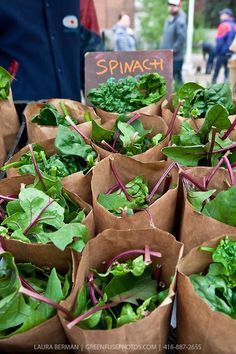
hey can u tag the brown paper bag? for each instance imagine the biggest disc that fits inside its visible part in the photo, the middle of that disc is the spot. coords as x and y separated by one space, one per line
197 228
9 122
77 182
149 122
162 210
167 110
48 334
38 133
199 328
152 109
3 153
151 331
12 186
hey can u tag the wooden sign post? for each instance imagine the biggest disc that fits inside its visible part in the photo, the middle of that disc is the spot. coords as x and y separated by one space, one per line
100 66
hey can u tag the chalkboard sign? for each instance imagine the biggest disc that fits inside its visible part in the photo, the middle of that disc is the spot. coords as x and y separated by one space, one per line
100 66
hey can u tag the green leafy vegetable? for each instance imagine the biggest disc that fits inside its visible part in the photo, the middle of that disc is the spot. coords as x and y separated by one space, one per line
37 218
5 83
198 148
19 312
128 94
125 293
49 116
196 100
218 286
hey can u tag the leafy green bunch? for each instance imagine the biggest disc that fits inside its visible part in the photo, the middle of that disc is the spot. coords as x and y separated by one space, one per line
50 116
29 295
204 146
217 286
128 136
74 155
128 94
196 100
117 202
42 213
126 292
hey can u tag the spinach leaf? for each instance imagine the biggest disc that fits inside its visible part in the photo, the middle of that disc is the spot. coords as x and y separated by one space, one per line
49 116
35 217
117 202
5 83
223 207
197 199
185 155
128 94
19 312
216 116
218 286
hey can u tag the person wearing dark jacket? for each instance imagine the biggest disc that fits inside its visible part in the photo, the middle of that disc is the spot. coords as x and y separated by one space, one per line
41 42
226 32
174 36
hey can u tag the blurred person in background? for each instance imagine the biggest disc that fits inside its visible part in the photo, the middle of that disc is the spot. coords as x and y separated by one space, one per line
124 38
208 52
174 37
226 32
42 44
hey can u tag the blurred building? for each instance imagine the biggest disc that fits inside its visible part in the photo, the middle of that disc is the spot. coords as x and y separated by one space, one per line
109 10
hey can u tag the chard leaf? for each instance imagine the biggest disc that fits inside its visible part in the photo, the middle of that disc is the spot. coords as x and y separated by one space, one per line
127 315
216 116
69 142
81 302
129 288
65 235
36 210
214 291
197 199
187 136
186 94
223 207
185 155
99 133
48 115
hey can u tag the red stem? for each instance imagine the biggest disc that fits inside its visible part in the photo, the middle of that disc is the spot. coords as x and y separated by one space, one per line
36 167
130 121
147 256
42 298
76 128
37 218
215 169
231 128
112 189
121 184
6 198
91 312
172 122
213 139
91 289
157 185
229 167
146 210
108 146
192 180
230 147
129 252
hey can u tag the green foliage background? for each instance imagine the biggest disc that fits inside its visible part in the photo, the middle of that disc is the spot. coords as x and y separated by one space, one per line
156 11
152 21
212 8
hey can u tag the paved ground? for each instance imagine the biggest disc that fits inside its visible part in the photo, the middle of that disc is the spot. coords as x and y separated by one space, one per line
192 73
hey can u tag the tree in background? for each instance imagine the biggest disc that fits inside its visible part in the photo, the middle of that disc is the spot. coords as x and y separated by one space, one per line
212 8
152 21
